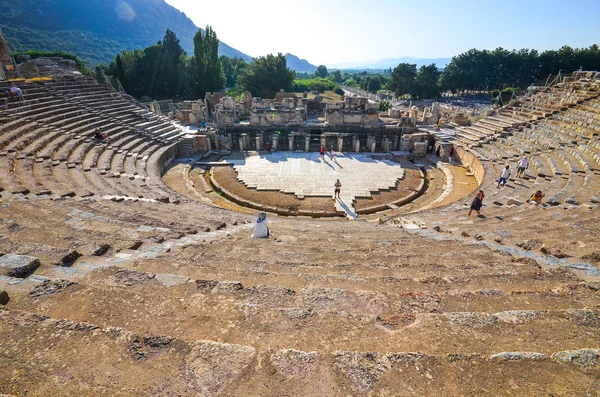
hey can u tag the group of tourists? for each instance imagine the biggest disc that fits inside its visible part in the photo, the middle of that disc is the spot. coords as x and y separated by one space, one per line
522 165
331 153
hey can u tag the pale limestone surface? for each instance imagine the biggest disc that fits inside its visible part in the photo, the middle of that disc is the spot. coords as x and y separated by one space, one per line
306 174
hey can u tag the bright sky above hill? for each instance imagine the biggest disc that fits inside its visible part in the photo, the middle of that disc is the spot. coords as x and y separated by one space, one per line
333 32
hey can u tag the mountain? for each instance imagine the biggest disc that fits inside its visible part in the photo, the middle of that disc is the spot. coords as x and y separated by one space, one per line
392 63
96 30
299 65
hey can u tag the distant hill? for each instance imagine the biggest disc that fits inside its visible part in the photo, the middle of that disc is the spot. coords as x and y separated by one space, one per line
299 65
96 30
392 63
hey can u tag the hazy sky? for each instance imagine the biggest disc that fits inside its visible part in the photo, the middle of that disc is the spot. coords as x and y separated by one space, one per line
332 32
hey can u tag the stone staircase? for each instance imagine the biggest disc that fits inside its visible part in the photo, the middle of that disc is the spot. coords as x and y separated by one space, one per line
359 312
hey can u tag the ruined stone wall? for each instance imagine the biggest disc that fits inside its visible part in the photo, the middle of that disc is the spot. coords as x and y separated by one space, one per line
6 59
276 116
472 162
211 100
280 96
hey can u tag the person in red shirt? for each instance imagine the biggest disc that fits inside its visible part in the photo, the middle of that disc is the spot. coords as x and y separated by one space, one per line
323 151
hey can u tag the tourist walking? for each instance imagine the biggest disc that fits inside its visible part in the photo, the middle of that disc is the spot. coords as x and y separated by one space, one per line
477 203
332 154
323 152
268 148
522 166
450 154
504 176
338 186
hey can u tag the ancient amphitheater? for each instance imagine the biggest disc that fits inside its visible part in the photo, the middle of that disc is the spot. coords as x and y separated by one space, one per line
120 276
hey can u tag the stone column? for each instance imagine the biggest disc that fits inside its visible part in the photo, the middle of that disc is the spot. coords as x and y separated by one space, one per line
395 143
258 143
306 143
291 142
386 144
241 142
246 140
340 143
230 144
274 145
216 139
208 144
357 145
373 145
369 141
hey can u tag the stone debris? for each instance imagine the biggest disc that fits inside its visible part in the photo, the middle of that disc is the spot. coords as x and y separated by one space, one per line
585 358
396 321
101 250
4 298
20 266
69 259
212 366
50 287
472 319
418 303
490 293
294 363
513 356
594 257
362 370
584 317
171 280
130 278
554 252
142 348
518 316
227 286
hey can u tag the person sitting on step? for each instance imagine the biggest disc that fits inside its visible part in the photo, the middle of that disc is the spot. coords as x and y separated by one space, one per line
537 197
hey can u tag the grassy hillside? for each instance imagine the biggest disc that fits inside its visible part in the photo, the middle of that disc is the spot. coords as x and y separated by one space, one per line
95 30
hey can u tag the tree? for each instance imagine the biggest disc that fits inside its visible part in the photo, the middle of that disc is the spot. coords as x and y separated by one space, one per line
321 71
208 75
337 76
265 76
232 68
427 82
121 74
403 79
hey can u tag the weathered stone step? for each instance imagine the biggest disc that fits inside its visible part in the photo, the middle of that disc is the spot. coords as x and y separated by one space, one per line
148 363
324 318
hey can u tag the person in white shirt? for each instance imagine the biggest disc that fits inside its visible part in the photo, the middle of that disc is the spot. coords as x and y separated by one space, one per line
504 176
522 166
16 92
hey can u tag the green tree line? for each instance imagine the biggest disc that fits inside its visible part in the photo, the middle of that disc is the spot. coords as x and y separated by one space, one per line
165 71
483 70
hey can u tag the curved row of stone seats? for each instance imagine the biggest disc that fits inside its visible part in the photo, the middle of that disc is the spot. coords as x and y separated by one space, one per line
475 296
97 97
71 128
547 103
